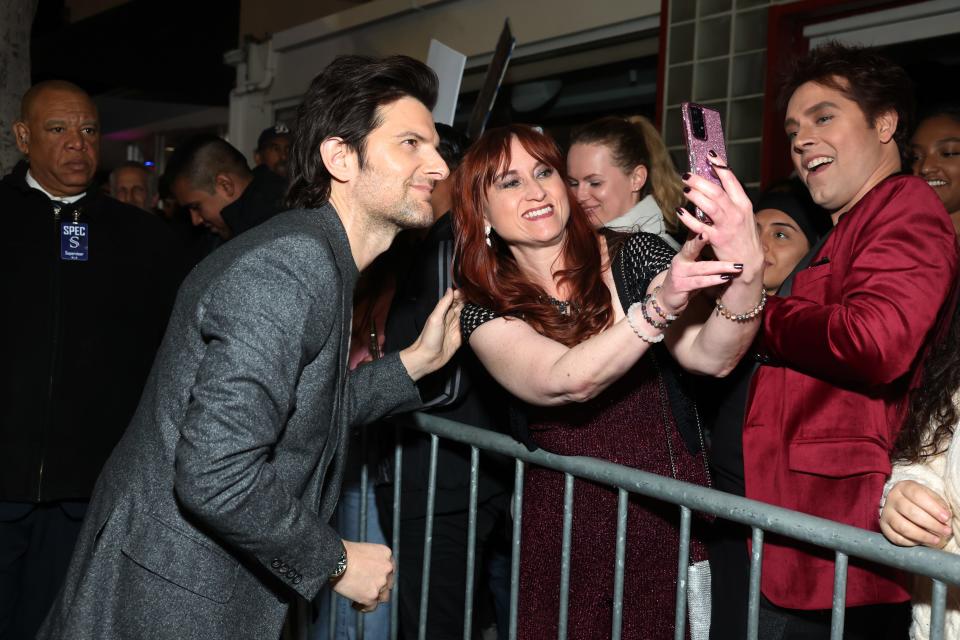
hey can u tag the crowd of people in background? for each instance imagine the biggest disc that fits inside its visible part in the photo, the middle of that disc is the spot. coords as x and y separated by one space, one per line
799 346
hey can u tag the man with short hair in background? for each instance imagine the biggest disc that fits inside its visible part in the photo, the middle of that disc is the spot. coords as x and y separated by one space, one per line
273 149
88 283
210 178
134 184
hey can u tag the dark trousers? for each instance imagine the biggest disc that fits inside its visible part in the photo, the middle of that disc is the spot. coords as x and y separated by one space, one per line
448 564
36 541
874 622
729 580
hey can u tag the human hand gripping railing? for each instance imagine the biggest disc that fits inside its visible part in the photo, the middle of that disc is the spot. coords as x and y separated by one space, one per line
844 540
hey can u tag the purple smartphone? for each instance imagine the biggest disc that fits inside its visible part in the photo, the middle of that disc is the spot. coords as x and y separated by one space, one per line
703 132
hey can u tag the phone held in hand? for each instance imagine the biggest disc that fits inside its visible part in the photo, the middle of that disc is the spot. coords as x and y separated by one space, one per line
703 132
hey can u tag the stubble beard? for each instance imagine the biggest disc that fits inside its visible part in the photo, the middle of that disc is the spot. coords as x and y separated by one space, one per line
404 213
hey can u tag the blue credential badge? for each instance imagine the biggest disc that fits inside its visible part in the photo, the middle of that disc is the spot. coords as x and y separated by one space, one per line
74 241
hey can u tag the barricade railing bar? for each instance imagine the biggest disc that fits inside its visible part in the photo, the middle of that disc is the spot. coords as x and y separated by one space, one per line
844 540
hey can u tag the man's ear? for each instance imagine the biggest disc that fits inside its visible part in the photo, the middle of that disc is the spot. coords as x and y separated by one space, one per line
224 182
21 134
886 125
339 159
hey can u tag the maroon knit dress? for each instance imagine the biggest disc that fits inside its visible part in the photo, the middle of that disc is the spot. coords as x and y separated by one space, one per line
624 424
630 423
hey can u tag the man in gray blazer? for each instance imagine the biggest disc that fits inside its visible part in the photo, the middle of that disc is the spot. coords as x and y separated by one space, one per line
212 512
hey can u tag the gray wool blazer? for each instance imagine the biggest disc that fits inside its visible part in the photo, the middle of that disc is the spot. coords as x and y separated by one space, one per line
212 512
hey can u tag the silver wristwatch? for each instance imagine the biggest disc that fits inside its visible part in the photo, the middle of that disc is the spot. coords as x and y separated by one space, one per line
341 565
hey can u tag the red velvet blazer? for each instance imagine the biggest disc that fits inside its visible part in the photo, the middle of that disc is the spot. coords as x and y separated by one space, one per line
844 351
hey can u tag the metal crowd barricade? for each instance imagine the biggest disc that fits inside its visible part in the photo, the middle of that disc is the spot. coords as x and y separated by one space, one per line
942 568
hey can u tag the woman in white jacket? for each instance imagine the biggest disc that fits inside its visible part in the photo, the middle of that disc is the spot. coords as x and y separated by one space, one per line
921 502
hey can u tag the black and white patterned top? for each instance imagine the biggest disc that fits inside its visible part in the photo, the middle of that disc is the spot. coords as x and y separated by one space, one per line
640 258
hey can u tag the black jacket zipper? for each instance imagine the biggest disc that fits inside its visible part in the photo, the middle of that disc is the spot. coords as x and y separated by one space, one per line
55 301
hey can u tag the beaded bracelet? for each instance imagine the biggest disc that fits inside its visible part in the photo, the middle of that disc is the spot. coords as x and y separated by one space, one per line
669 317
743 317
646 314
642 336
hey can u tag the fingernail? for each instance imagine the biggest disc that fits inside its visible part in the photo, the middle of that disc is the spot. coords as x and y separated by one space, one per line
680 211
686 189
726 276
685 176
713 154
738 266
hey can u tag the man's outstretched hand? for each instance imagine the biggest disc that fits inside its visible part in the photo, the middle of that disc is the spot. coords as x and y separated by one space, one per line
439 339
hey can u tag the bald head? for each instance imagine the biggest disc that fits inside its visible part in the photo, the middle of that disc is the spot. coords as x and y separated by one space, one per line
33 93
59 133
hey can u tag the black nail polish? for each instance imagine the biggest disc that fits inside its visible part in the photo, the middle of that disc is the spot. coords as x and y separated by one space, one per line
685 176
713 154
701 236
680 211
726 276
686 189
738 266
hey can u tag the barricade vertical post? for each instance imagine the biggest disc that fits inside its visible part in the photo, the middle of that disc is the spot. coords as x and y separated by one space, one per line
397 466
471 544
938 610
565 556
515 555
364 478
333 614
621 553
839 596
428 538
756 566
683 565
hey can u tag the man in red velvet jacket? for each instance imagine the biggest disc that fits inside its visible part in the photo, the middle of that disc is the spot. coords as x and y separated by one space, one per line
843 351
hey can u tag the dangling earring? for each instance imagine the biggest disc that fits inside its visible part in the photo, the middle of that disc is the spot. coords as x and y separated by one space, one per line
486 232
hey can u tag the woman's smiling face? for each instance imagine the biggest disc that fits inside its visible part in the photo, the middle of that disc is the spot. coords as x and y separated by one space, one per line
935 148
601 187
528 202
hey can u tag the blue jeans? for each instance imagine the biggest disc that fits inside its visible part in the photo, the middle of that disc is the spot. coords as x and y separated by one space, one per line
346 520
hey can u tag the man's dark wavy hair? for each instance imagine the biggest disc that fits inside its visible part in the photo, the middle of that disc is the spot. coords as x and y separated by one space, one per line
874 82
344 101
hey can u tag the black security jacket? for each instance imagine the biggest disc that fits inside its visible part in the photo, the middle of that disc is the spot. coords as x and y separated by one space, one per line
78 338
462 390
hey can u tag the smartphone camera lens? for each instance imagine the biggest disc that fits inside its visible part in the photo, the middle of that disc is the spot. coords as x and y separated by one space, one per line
697 124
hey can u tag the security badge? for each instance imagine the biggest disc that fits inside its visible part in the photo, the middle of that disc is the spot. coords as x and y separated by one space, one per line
74 239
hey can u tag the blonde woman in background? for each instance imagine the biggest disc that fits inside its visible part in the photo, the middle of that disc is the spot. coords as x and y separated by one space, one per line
623 177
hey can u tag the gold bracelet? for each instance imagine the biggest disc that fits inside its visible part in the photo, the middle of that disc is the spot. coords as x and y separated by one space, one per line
743 317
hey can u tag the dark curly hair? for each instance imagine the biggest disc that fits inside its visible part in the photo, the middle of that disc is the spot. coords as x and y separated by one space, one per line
344 101
932 414
874 82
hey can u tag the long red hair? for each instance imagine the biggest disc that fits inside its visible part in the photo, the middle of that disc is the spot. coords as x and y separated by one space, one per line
490 276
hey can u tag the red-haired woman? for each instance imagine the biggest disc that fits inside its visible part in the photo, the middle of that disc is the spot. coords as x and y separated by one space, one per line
567 321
